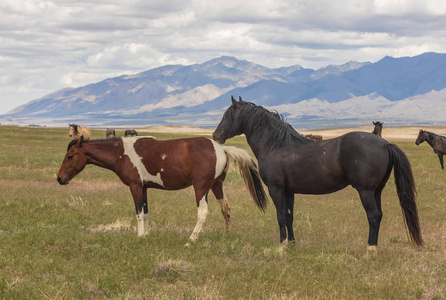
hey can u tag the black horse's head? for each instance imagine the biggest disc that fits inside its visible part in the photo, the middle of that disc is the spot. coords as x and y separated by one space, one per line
421 137
230 125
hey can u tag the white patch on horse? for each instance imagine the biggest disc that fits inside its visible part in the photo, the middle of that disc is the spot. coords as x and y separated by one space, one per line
202 213
163 157
129 150
221 158
140 219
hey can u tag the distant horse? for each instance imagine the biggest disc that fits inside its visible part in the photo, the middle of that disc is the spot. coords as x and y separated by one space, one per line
76 131
109 132
290 164
144 162
313 137
130 132
437 142
378 128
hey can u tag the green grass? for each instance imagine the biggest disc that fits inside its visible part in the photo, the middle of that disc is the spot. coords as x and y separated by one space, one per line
80 242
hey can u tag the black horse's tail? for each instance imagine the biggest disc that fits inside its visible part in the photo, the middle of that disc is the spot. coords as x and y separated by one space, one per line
249 171
405 187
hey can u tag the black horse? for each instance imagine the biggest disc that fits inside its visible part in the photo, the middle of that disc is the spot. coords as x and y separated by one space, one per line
437 142
378 128
291 164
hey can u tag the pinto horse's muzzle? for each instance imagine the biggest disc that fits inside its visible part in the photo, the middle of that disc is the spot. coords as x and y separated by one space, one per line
62 181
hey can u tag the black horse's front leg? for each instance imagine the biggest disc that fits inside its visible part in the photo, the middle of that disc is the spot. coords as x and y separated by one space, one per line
440 156
289 198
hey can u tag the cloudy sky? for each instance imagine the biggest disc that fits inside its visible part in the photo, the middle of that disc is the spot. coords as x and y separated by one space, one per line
52 44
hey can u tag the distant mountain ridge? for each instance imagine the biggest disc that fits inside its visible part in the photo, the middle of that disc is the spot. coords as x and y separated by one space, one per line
198 94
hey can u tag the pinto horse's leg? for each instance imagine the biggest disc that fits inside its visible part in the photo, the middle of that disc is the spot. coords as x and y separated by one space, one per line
278 196
374 214
219 193
142 213
202 214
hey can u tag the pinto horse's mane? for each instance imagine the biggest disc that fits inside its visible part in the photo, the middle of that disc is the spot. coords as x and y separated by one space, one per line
283 134
113 139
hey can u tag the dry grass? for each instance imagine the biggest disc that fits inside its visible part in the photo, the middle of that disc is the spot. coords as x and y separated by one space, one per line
79 241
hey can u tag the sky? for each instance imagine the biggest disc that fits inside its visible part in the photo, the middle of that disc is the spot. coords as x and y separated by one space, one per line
49 45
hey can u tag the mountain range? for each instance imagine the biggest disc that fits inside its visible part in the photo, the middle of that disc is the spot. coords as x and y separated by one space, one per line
397 91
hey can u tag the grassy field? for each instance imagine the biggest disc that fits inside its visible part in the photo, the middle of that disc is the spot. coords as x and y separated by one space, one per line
80 242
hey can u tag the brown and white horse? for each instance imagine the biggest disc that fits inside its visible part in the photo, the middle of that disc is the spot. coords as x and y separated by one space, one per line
109 132
76 131
145 162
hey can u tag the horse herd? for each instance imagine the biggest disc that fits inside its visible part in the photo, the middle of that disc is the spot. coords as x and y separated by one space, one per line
288 164
76 131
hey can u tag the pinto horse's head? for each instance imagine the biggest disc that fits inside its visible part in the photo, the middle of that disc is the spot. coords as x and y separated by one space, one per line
74 162
230 124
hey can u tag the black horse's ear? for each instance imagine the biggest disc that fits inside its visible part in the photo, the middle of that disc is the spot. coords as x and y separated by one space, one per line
374 123
234 102
240 99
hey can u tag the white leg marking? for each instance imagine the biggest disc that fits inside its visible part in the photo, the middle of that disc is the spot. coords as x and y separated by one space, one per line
129 150
221 158
146 223
140 219
202 214
372 248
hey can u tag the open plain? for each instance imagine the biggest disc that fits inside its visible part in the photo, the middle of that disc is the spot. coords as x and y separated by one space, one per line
80 242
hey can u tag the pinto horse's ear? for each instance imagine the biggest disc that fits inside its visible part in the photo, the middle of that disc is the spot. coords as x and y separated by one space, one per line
80 141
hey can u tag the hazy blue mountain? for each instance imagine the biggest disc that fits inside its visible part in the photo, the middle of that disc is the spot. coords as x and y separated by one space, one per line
199 93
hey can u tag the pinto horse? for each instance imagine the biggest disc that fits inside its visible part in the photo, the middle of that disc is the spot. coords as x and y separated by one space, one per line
76 131
144 162
130 132
437 142
109 132
291 164
378 128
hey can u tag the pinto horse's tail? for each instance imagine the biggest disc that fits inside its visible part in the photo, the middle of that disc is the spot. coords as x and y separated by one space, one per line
405 187
250 173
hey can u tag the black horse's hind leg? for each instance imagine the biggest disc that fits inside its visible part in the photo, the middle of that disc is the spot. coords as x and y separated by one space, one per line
372 207
278 196
289 216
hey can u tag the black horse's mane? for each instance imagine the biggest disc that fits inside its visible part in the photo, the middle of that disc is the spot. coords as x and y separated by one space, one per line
283 134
